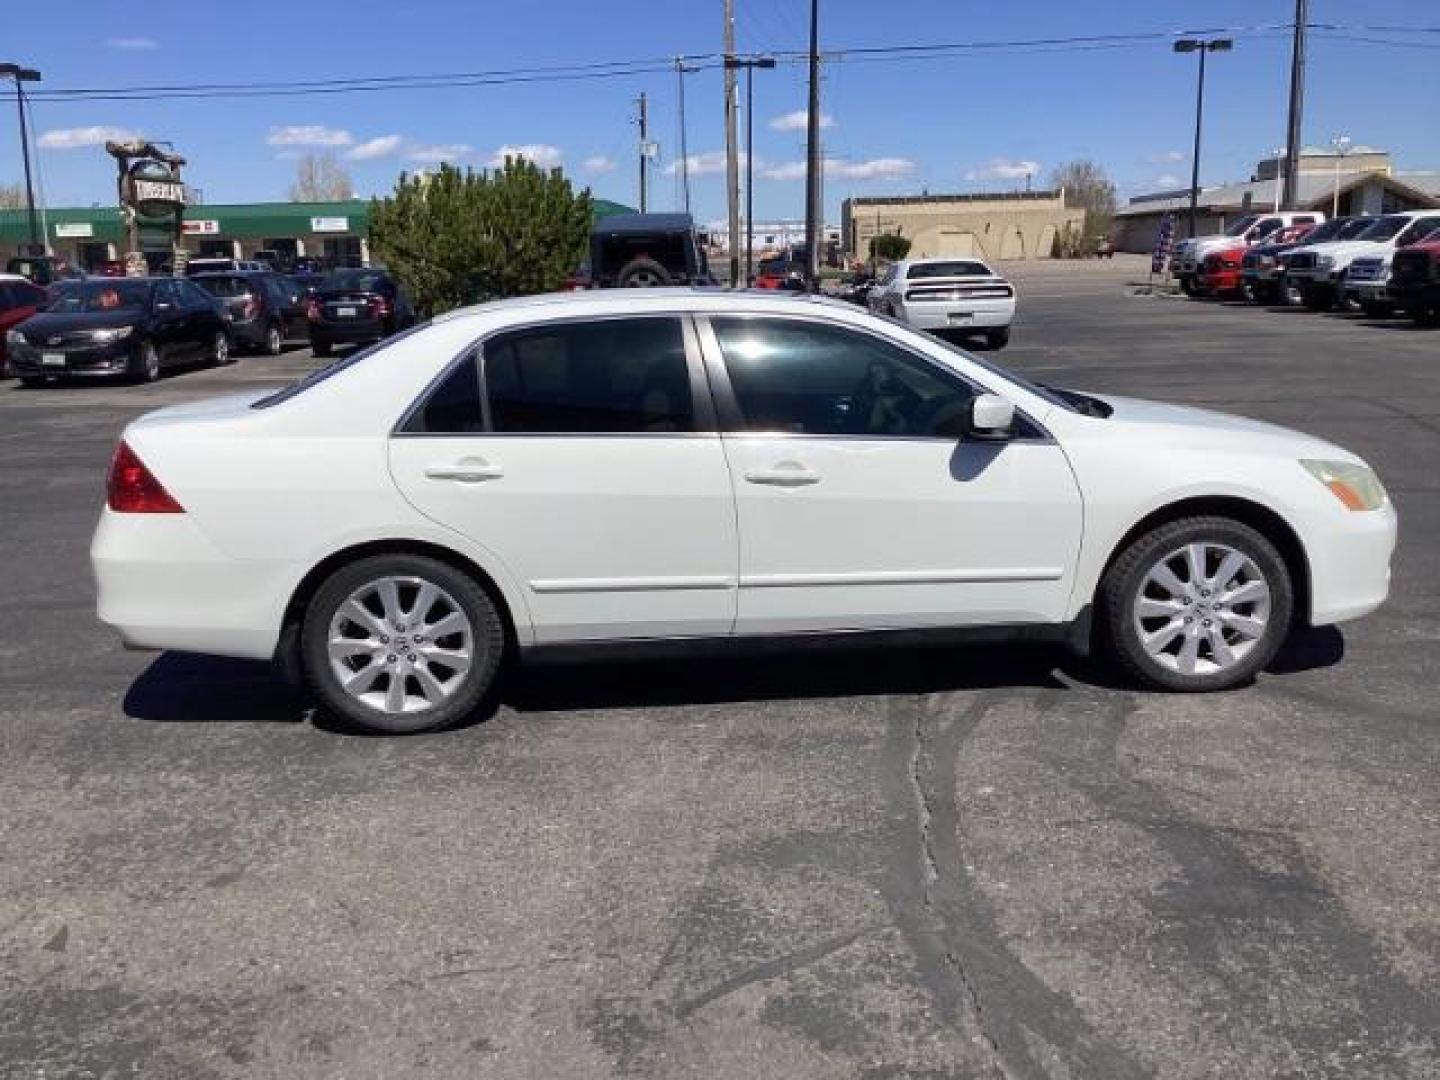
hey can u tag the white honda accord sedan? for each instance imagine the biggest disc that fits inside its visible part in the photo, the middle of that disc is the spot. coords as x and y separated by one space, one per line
682 466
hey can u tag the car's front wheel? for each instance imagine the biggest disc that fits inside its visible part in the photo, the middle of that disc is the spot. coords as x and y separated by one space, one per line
220 353
401 643
145 363
1197 604
274 341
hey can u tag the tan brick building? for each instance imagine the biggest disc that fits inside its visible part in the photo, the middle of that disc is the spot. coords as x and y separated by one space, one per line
1007 225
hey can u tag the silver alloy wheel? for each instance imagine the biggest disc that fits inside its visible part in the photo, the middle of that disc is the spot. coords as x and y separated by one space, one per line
643 279
1202 608
149 362
274 343
400 645
222 349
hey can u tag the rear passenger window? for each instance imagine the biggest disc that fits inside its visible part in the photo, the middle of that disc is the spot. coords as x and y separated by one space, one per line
452 407
606 376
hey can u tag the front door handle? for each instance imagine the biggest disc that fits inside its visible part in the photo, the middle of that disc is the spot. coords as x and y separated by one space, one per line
466 471
785 474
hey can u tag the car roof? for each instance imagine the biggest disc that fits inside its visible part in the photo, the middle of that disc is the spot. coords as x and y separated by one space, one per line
621 301
625 223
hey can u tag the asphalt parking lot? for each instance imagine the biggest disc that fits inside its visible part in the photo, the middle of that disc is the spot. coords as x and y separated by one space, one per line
979 863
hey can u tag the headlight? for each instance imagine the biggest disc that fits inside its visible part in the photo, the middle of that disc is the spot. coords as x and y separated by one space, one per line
1354 485
14 337
104 337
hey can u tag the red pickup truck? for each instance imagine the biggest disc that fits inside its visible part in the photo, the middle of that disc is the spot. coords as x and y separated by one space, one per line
1220 272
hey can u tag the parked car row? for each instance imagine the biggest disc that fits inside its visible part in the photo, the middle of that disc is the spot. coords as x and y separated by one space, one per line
1380 265
136 327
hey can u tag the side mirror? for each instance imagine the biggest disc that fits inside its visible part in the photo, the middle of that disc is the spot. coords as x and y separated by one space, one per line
990 417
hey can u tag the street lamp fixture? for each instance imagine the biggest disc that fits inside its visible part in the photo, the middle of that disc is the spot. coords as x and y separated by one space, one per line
22 75
749 63
1201 46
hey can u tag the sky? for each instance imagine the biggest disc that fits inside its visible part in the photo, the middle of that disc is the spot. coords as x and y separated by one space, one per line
979 120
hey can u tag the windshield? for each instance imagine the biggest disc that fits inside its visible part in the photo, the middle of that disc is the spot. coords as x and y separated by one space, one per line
947 269
1053 397
360 280
1385 228
1242 226
74 297
1423 228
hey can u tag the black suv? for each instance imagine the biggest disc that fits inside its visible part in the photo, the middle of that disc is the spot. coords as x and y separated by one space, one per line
631 251
266 309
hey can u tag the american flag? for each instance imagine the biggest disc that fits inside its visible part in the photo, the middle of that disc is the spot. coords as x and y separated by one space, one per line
1162 244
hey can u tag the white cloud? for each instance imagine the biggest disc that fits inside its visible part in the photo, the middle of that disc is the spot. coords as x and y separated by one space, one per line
1004 169
1165 157
799 121
132 43
873 169
72 138
598 164
707 164
1168 180
309 135
434 155
542 154
379 147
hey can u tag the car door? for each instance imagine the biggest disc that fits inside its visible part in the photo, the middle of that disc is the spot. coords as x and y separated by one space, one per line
856 510
170 319
583 453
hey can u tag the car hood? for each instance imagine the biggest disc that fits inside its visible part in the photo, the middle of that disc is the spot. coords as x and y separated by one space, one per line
45 323
1204 428
1349 249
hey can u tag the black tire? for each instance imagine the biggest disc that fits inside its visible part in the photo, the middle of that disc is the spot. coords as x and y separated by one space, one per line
1189 287
32 382
1317 299
320 348
1377 309
222 354
1117 632
144 363
487 633
997 339
1426 316
642 274
274 343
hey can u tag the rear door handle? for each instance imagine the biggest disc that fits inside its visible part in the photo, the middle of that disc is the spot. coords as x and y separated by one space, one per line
466 472
785 474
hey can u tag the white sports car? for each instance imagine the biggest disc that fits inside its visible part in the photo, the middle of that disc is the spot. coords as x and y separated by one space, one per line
688 466
947 296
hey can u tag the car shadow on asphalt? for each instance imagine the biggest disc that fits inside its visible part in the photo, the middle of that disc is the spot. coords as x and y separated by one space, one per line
192 689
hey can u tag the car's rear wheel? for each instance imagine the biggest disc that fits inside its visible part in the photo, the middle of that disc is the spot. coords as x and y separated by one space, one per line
1317 299
401 643
1196 604
320 348
997 339
220 354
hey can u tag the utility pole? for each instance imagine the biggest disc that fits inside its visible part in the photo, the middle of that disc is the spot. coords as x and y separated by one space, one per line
680 72
644 155
22 75
749 63
813 209
732 157
1297 105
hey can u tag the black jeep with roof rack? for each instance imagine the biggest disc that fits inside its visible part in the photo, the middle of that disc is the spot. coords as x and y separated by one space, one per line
630 251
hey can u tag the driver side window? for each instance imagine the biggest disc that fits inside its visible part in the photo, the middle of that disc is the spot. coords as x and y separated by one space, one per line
812 379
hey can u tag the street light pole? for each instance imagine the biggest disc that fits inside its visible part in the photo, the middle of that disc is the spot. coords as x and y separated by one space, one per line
813 208
1201 46
749 63
1341 143
1279 155
22 75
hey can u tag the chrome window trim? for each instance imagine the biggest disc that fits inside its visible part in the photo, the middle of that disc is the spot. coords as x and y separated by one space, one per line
728 409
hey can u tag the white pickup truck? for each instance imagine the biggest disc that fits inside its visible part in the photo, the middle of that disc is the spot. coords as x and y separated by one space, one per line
1189 255
1319 271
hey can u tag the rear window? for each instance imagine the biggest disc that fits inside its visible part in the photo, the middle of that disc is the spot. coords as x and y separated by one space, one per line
226 287
361 280
962 268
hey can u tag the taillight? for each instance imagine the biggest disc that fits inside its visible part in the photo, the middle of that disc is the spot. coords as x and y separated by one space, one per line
381 306
312 310
131 488
251 309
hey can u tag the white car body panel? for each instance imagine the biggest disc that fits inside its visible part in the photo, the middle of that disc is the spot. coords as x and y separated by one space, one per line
592 538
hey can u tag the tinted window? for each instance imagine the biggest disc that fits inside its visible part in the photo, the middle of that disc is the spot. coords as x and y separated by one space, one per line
1422 228
814 379
614 375
358 280
191 295
10 296
72 297
453 407
947 269
225 287
1385 228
